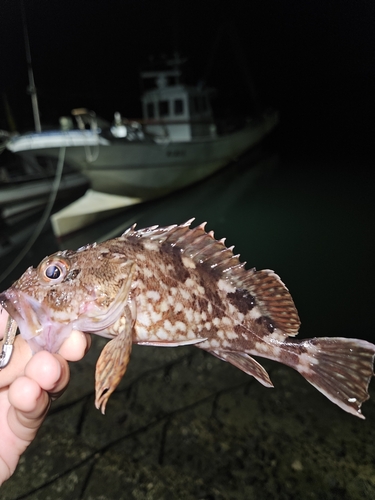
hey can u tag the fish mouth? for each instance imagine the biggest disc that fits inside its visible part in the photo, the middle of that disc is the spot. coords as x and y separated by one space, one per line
11 301
34 322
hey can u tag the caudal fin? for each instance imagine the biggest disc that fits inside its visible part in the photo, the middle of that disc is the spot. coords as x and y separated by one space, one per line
339 368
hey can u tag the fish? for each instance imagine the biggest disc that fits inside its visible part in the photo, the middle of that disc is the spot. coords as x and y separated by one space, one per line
175 286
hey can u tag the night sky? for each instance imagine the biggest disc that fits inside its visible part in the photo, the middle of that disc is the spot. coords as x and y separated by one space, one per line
314 60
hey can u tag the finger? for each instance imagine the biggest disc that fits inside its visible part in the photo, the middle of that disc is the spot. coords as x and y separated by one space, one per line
29 405
28 394
49 371
75 346
73 349
20 356
3 321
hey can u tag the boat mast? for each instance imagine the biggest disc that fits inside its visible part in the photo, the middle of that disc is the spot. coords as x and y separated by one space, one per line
31 88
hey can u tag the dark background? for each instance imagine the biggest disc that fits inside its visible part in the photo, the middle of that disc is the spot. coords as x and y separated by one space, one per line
199 428
314 60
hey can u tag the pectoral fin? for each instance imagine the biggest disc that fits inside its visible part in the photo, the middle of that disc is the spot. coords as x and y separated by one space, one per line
113 361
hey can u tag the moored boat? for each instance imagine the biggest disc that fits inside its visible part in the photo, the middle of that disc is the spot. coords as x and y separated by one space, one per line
175 144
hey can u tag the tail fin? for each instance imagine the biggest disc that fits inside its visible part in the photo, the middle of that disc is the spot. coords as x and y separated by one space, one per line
339 368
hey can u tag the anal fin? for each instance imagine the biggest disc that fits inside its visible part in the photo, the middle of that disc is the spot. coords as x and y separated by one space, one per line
245 363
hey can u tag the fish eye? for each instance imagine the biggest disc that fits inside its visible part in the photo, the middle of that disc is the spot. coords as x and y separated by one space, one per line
53 270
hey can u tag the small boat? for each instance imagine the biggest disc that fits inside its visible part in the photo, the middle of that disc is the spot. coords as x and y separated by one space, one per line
27 191
175 144
26 187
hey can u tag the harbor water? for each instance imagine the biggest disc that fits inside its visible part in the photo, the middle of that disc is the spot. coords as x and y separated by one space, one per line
184 425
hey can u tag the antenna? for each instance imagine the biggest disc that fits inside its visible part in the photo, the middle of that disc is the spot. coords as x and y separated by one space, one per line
31 88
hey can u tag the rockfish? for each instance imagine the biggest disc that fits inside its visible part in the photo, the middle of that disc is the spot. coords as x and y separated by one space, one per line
173 286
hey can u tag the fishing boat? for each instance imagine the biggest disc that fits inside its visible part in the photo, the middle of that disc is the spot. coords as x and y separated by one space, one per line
176 143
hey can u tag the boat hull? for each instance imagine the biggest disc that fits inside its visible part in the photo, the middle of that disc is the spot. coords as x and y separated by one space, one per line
149 169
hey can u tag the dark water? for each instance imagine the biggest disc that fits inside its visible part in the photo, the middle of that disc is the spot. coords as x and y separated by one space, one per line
183 425
310 221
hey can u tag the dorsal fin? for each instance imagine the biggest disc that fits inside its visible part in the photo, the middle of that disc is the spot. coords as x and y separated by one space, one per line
194 243
273 299
271 295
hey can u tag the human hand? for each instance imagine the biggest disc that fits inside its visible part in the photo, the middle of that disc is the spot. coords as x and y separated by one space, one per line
27 387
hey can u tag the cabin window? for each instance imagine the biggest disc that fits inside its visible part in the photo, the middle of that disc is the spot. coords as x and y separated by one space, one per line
150 110
178 107
163 108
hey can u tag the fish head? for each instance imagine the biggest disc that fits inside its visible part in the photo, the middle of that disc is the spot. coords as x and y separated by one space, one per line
84 290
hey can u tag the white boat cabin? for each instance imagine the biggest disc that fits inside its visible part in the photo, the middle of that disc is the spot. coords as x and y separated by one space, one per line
175 111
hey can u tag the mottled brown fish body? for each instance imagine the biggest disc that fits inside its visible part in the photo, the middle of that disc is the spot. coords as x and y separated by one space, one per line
171 286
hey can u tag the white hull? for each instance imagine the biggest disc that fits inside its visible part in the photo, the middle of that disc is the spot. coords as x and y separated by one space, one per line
145 169
90 208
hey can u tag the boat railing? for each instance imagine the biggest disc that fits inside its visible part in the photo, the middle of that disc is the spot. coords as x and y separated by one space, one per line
85 117
158 121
